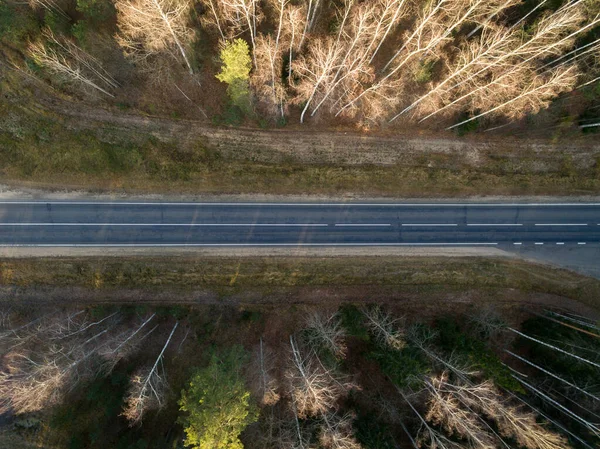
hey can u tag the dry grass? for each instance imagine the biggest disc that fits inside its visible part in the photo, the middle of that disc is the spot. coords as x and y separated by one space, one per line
103 151
288 280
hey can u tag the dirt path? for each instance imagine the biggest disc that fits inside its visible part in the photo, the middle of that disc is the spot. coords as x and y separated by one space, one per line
346 148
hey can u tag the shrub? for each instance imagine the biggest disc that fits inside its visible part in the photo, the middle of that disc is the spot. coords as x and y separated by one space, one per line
424 71
96 11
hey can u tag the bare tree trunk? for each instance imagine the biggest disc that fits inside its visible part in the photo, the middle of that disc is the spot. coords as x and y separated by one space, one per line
581 359
147 389
588 425
581 390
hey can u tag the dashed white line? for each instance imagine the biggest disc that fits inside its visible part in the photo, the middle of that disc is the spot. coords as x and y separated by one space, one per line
494 224
560 243
561 224
538 243
517 243
429 224
362 224
581 243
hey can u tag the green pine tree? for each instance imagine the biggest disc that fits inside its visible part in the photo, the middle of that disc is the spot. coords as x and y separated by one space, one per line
217 404
235 71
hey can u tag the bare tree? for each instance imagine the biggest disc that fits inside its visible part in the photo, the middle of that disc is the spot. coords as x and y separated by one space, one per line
269 51
537 94
277 428
556 348
266 78
65 59
554 376
335 69
124 345
311 15
52 357
326 331
387 330
315 70
314 389
151 27
507 60
427 434
214 17
580 321
511 420
296 21
389 14
50 5
148 388
486 71
446 410
488 321
244 14
592 427
264 383
337 432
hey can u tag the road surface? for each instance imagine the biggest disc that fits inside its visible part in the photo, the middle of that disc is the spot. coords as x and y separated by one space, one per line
133 224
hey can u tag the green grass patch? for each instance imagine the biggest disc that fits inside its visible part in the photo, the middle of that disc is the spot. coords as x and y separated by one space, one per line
476 353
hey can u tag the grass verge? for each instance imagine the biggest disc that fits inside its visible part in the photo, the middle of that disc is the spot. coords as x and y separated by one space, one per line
290 280
41 148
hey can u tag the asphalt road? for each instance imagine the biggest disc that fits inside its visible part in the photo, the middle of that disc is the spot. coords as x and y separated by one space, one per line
88 223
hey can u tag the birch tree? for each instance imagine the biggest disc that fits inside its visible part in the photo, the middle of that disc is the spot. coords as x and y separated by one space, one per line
269 54
326 331
337 432
52 356
511 421
49 5
340 75
234 17
314 389
315 70
535 95
148 388
311 11
505 58
66 60
264 383
387 330
446 411
151 27
242 16
266 78
426 434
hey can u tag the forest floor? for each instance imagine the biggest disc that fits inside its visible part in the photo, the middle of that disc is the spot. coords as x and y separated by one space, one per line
425 286
48 141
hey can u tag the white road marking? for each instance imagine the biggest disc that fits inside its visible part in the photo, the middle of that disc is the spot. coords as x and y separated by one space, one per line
361 224
581 243
561 224
560 243
234 244
494 224
302 225
518 243
429 224
133 203
538 243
